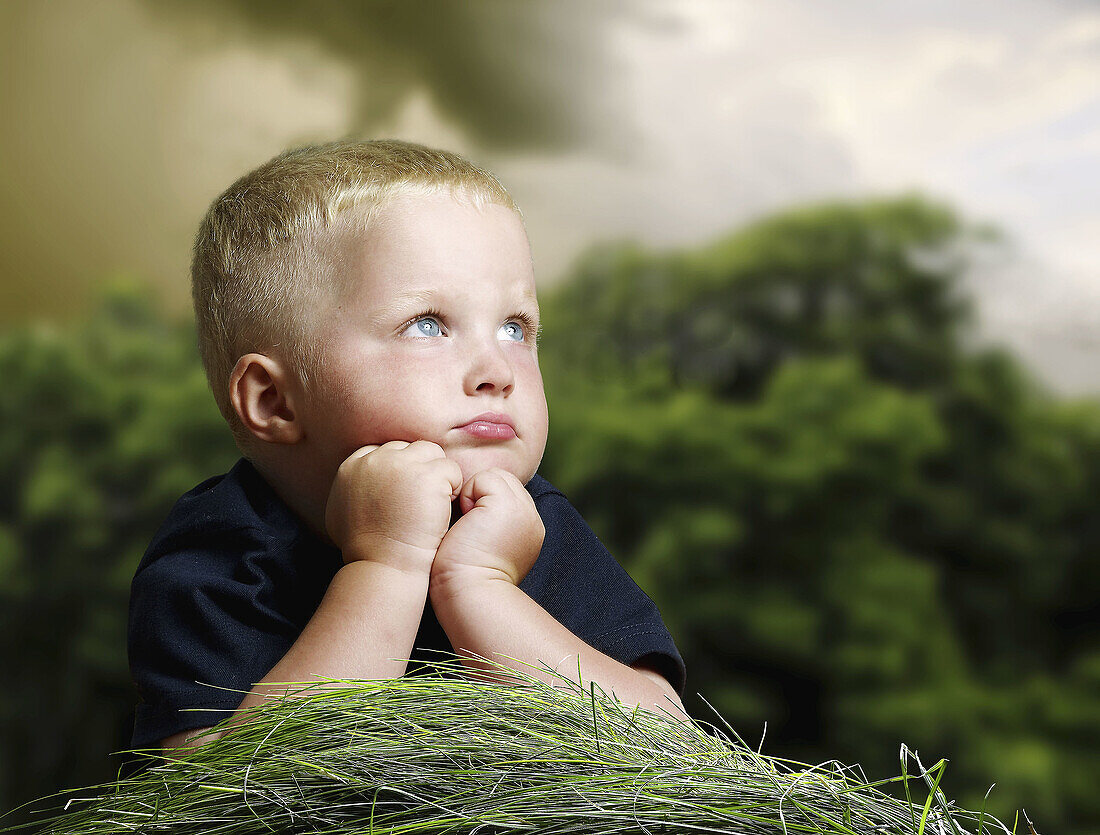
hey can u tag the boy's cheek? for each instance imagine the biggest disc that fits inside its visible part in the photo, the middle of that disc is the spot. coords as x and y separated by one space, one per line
357 427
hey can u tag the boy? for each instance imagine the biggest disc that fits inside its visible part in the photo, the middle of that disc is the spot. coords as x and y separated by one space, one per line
367 320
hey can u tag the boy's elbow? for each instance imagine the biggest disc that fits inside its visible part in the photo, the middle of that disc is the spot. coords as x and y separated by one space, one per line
662 696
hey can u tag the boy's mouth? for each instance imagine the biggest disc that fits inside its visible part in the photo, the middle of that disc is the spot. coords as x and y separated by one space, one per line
491 426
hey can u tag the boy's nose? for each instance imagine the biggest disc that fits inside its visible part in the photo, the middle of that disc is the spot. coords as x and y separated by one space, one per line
490 371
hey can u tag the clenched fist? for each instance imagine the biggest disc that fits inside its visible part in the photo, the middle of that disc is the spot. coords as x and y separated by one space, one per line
498 536
392 503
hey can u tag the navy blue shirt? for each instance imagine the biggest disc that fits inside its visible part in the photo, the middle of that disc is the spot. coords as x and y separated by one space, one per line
233 576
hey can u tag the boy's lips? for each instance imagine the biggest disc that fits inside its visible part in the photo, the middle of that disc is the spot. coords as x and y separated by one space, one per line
492 426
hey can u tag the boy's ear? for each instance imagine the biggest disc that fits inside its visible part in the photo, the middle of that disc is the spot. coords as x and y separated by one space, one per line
262 394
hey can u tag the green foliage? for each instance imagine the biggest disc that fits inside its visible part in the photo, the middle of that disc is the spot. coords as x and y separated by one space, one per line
859 531
102 428
876 279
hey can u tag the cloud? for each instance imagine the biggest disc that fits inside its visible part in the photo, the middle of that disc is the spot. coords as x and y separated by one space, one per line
512 75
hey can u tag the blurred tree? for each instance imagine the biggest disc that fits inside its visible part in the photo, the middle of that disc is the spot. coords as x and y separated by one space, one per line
101 430
877 279
860 530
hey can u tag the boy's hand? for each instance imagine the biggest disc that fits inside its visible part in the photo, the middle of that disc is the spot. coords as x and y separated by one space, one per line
499 535
392 503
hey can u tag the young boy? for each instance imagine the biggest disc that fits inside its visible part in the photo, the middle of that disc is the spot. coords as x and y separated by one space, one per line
367 320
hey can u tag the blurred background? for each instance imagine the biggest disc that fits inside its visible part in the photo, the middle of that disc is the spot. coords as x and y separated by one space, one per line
821 290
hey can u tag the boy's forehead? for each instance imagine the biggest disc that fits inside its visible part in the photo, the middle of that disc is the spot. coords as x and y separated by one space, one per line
427 248
440 215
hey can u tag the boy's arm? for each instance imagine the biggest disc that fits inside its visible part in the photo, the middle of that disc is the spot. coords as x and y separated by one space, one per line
475 595
364 628
387 512
496 620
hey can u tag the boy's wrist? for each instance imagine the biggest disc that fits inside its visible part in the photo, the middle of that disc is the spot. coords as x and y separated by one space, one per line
460 584
400 556
396 583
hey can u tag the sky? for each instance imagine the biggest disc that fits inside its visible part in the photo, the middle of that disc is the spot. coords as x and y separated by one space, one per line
666 122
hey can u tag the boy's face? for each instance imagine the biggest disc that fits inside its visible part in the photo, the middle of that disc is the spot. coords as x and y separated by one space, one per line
436 332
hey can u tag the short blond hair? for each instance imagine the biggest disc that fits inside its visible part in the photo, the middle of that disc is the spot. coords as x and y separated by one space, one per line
263 259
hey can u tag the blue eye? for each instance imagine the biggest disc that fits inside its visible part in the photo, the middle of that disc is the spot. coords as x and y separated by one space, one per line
512 331
427 326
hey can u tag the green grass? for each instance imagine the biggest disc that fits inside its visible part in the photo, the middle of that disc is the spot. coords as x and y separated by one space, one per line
443 754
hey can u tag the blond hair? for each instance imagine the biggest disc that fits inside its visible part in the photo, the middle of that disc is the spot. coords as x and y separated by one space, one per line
264 258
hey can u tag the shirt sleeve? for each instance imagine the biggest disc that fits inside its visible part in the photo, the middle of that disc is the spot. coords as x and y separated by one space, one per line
583 587
203 629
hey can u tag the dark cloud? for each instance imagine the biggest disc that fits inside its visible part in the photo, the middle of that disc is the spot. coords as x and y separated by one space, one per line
514 75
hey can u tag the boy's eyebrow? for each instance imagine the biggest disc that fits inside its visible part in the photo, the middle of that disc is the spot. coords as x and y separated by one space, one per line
402 302
431 298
